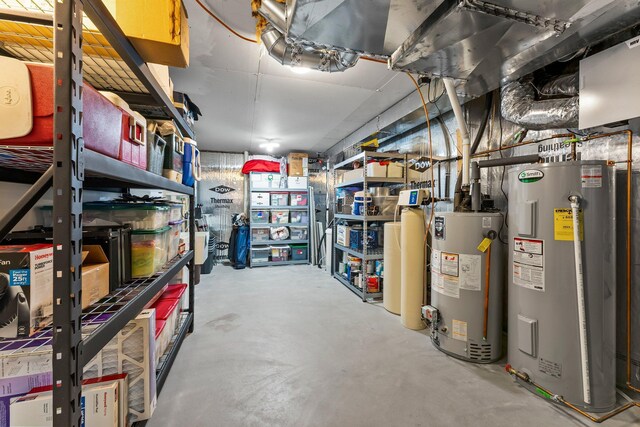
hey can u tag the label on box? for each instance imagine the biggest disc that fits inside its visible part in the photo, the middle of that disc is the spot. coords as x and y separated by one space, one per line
19 277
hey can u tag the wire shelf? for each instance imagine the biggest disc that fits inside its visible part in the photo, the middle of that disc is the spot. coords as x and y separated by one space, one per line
104 69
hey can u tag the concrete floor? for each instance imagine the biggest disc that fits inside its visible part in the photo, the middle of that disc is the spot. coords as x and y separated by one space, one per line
289 346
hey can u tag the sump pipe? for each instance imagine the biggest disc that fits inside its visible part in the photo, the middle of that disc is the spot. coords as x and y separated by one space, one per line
518 160
464 132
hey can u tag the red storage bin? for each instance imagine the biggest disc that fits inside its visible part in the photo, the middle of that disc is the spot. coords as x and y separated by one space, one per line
174 291
103 127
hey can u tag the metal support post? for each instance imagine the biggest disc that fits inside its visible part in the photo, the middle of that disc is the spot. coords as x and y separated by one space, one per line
67 213
192 263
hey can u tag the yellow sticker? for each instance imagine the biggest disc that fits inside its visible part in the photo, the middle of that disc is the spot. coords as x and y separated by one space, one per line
563 224
484 245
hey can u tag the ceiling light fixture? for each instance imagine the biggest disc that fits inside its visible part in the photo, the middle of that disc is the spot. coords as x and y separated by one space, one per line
269 146
299 70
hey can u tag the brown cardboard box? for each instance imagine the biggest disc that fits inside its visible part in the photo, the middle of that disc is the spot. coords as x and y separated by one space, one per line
95 274
298 164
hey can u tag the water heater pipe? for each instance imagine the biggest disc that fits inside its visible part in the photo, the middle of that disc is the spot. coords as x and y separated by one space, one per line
582 314
464 132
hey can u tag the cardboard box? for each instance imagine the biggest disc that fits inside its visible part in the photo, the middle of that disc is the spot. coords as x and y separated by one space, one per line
158 29
298 164
95 274
131 351
161 73
298 183
343 235
99 406
26 285
395 170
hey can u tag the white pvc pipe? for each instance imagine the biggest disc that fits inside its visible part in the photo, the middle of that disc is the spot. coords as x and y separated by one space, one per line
582 315
464 132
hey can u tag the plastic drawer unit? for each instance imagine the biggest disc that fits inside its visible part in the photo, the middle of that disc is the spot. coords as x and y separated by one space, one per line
148 251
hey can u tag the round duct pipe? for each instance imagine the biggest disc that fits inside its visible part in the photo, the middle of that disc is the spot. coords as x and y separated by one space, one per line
315 59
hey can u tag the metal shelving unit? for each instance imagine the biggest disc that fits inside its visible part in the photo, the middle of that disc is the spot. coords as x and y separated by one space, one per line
366 255
253 226
108 61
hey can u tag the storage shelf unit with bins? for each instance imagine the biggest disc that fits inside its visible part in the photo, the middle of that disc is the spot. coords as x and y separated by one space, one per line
366 250
272 208
108 60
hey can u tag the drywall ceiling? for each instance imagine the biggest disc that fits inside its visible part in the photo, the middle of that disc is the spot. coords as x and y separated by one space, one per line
247 98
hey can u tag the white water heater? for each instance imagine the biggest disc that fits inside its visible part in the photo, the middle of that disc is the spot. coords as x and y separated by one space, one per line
467 308
562 290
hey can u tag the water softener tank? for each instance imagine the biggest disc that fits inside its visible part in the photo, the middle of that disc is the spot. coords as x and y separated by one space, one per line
561 312
467 308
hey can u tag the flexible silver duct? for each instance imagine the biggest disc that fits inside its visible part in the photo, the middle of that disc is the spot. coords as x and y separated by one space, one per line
566 85
519 106
315 59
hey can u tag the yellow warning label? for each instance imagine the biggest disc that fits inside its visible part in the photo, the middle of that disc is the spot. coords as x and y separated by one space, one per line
484 245
563 224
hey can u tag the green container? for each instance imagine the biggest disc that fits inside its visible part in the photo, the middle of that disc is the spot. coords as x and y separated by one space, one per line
149 251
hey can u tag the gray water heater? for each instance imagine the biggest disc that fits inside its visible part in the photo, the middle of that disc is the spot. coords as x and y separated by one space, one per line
464 327
547 340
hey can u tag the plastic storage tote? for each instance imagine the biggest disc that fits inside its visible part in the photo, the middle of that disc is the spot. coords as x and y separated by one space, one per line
299 233
260 255
175 211
173 153
260 199
141 216
191 170
26 144
280 253
279 199
299 252
259 235
279 216
148 251
299 217
155 153
260 217
299 199
174 238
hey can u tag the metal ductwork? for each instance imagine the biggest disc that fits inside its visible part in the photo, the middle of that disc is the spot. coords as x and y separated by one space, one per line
519 106
275 13
298 56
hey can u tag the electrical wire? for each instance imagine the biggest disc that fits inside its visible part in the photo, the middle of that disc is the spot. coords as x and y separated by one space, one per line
426 115
221 22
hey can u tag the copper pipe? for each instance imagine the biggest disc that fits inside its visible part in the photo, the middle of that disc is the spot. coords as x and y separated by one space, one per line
559 399
487 279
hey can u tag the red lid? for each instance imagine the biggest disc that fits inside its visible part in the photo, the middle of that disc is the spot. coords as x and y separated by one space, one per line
165 307
24 248
174 291
159 327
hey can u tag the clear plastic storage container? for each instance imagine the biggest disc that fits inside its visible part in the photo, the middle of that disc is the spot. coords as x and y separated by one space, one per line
260 217
175 211
174 238
299 233
260 255
280 253
279 199
148 251
260 235
299 199
279 216
141 216
299 217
